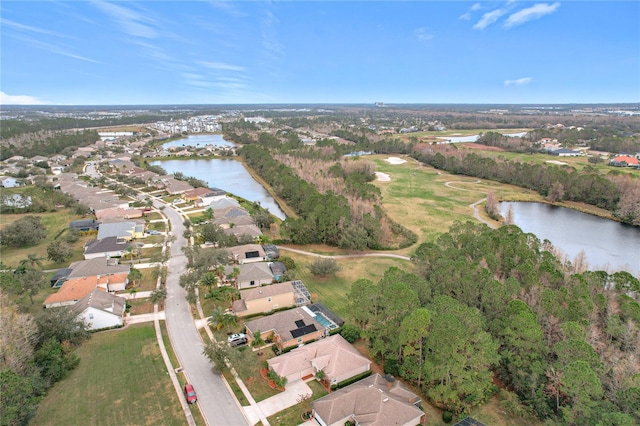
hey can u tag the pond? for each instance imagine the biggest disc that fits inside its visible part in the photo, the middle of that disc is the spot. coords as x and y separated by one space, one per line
608 245
198 141
229 175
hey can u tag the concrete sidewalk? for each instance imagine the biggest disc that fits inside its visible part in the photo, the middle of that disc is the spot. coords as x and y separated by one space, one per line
137 319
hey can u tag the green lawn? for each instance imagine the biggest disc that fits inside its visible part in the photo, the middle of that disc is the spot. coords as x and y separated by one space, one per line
121 379
57 225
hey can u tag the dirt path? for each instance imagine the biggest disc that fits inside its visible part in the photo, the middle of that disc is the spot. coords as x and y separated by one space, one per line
474 206
344 256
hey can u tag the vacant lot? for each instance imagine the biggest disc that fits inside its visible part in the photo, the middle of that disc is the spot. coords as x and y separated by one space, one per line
121 380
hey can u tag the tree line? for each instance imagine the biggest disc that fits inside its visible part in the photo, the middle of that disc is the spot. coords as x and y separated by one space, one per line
496 306
554 182
50 145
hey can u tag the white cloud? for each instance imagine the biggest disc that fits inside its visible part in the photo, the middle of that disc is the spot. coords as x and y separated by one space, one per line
467 15
22 27
423 34
534 12
6 99
221 66
54 49
518 82
489 18
132 22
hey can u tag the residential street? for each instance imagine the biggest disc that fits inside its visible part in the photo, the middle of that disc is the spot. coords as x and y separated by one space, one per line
216 402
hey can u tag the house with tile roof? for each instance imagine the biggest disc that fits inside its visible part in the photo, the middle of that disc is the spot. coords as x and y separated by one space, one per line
99 266
247 253
373 401
264 299
334 355
71 291
124 230
287 328
106 247
246 231
100 310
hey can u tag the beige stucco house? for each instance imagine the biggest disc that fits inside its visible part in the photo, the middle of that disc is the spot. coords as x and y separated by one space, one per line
287 328
334 355
264 299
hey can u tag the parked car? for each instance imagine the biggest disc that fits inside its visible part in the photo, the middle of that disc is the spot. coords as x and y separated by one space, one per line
190 393
237 339
153 232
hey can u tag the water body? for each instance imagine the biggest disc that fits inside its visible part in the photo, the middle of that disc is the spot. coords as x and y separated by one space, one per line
229 175
474 138
608 245
198 140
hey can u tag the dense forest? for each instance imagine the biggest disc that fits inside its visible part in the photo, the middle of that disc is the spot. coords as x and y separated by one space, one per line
495 309
49 144
619 194
338 208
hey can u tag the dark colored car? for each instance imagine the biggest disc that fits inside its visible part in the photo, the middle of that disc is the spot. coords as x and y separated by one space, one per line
190 393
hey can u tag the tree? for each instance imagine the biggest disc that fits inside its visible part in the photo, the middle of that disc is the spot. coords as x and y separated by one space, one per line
134 276
31 262
18 337
263 219
218 353
18 400
219 319
258 341
350 332
62 324
32 281
209 279
26 231
58 252
583 387
158 295
413 332
324 266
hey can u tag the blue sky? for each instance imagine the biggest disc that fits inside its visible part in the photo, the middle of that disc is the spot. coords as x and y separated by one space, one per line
213 52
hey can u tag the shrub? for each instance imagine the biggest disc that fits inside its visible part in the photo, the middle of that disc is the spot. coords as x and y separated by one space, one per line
447 417
350 332
323 266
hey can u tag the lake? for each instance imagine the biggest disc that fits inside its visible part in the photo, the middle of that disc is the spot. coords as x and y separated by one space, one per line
229 175
473 138
608 245
198 140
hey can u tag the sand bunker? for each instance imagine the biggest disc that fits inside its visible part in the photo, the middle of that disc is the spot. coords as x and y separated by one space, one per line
395 160
559 163
383 177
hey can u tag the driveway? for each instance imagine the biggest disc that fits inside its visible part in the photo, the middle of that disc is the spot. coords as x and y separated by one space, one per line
279 402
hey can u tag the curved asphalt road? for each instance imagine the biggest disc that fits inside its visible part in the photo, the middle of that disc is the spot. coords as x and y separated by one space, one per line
216 402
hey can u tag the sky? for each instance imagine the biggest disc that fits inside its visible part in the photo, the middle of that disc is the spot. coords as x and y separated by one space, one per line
259 52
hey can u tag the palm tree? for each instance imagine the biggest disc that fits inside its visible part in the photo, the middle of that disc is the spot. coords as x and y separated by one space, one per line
32 261
219 319
258 341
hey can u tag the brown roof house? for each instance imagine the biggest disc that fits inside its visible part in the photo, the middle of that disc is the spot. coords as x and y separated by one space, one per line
264 299
100 310
334 355
288 328
99 266
105 247
373 401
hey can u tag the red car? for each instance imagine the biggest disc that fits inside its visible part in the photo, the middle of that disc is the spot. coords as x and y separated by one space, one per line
192 398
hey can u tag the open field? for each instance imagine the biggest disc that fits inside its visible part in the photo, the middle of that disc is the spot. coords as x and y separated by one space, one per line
57 224
121 379
332 290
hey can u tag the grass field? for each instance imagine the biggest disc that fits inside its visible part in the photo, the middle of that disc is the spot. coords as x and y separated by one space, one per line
121 379
56 225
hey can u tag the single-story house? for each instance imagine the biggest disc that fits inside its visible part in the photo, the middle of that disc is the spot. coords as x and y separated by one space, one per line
114 213
334 355
100 310
251 274
287 328
105 247
264 299
226 222
124 230
251 231
374 401
85 225
213 195
10 182
223 204
624 161
247 253
99 266
563 152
